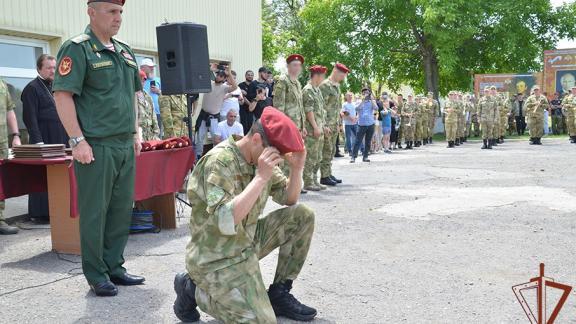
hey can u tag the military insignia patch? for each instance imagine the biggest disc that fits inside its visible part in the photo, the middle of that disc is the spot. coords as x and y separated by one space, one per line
65 66
127 55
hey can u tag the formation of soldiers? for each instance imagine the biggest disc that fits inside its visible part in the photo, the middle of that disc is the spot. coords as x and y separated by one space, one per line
417 120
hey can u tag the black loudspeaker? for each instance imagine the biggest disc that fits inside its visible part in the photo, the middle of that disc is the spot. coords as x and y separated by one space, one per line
184 58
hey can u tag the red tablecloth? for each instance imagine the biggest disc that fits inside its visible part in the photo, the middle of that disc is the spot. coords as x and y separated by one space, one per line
157 173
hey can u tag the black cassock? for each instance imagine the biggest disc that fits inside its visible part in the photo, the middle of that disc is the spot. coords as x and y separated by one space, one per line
43 124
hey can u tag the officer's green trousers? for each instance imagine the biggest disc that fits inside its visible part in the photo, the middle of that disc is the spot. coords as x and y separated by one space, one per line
313 158
105 198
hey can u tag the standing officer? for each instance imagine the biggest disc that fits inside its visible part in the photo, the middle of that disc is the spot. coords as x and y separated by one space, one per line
315 127
418 122
535 106
569 110
425 111
504 112
434 110
7 123
408 121
332 105
486 114
496 118
173 109
451 119
147 120
230 186
95 92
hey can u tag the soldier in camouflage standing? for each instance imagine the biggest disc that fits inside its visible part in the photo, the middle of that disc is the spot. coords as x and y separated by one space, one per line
408 121
486 114
434 110
399 109
147 121
496 121
8 126
504 110
330 89
229 188
451 116
418 121
461 120
569 110
425 110
315 127
173 110
535 106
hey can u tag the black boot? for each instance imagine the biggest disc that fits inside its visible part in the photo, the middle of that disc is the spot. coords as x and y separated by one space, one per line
425 141
430 140
185 304
490 144
501 140
417 144
494 142
485 146
572 139
457 143
532 141
539 141
327 181
407 147
336 179
285 304
399 145
410 144
449 144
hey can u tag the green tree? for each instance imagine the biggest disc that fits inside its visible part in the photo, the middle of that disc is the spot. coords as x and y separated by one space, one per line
430 45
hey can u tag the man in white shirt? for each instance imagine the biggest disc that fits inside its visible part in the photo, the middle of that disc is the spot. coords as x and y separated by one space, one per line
229 127
232 100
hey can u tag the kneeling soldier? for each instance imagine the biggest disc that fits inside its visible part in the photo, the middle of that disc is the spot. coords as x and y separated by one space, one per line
229 188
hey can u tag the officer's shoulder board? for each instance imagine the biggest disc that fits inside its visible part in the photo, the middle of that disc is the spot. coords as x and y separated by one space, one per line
80 38
122 42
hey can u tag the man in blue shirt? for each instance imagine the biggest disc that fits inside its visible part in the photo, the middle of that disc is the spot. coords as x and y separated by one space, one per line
152 87
365 111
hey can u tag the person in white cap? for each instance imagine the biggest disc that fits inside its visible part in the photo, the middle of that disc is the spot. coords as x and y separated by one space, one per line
152 86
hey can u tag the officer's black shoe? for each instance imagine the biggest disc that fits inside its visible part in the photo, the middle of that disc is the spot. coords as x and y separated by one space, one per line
410 145
366 160
285 304
104 289
572 139
127 279
327 182
185 303
485 146
538 141
425 141
6 229
336 179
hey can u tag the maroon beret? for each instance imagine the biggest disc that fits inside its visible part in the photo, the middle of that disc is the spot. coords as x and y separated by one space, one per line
118 2
281 131
295 57
342 67
318 69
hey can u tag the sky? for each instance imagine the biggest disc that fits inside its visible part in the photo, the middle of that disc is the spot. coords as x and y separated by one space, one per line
564 43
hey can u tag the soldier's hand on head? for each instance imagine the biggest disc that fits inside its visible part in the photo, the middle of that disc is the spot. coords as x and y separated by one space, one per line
296 160
267 161
83 153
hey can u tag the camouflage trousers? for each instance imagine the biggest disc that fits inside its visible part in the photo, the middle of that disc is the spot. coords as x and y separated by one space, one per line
418 130
431 125
473 129
425 128
461 126
503 125
451 129
536 125
571 124
407 132
313 157
3 155
487 129
496 127
246 299
328 151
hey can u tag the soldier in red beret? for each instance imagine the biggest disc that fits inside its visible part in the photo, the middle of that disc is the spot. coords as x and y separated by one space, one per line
229 188
332 105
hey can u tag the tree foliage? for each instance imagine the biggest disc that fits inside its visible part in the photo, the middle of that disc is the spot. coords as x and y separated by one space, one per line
434 45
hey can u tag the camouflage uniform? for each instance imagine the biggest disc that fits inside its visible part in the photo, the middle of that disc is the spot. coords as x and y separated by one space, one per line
487 113
222 258
6 104
313 102
418 121
399 110
433 110
496 120
409 122
461 129
504 110
147 120
569 110
173 109
451 113
535 107
425 117
332 106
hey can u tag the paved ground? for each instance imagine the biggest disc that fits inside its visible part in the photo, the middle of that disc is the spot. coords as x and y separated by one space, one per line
427 236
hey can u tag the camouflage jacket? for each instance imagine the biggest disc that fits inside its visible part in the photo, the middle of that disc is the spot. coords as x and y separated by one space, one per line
407 109
487 110
433 107
451 111
216 242
424 110
535 106
569 105
146 118
6 104
173 109
313 102
288 99
332 102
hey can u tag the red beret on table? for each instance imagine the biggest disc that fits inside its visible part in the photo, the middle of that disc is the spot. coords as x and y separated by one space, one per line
342 67
295 57
281 132
118 2
318 69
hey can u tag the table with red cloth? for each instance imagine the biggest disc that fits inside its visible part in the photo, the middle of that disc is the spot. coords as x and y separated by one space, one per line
159 174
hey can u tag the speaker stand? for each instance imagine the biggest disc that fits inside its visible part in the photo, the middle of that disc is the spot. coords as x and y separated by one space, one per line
191 99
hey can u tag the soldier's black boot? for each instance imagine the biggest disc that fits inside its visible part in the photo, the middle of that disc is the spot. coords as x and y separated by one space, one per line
6 229
430 140
336 179
485 146
501 139
407 145
399 145
185 304
457 143
572 139
494 142
539 141
532 141
285 304
489 144
410 145
425 141
327 181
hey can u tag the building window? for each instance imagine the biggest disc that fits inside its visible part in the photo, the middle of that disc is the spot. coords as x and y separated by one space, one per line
18 66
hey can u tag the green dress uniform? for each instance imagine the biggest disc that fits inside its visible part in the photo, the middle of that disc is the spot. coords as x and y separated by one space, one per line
222 258
332 106
313 102
147 120
6 105
103 83
535 106
173 109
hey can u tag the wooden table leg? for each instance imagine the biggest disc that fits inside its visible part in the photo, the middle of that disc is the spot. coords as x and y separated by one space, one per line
64 229
164 208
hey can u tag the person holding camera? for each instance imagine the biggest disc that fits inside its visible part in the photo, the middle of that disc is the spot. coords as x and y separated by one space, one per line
365 111
232 100
261 101
209 117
